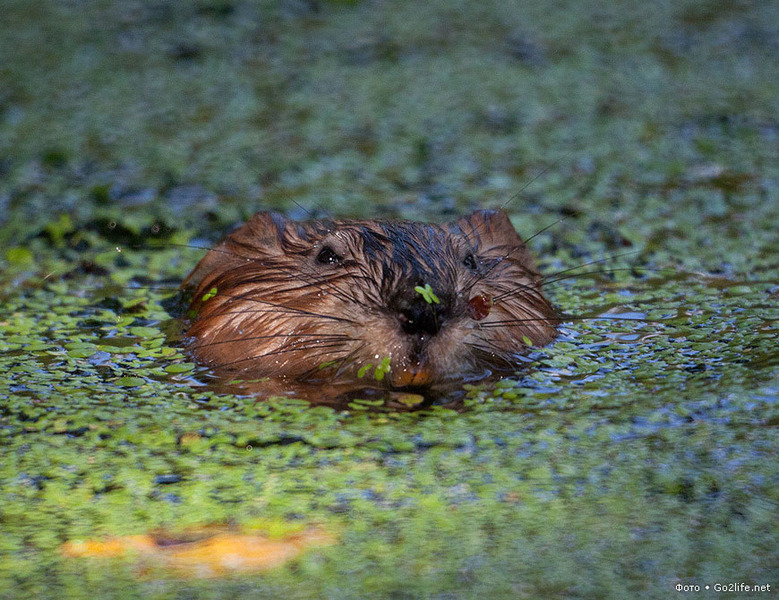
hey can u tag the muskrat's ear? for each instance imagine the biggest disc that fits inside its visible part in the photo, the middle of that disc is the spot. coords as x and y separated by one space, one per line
258 238
261 234
491 234
488 229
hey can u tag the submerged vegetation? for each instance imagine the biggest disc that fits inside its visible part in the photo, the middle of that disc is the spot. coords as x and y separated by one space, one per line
636 453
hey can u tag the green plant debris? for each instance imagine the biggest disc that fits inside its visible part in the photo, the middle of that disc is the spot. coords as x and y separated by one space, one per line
209 294
427 293
379 372
382 369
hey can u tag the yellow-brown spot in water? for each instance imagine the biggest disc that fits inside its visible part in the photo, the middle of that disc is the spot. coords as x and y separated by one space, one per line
111 547
189 439
219 554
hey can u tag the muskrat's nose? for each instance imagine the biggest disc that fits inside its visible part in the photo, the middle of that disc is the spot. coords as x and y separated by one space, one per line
421 318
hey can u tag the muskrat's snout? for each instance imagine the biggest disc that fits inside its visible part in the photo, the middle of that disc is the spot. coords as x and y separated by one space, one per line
419 318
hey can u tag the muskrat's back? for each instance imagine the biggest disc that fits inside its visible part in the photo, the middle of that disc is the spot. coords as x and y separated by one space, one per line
373 303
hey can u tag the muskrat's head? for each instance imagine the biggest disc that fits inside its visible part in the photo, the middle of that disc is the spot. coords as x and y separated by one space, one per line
382 304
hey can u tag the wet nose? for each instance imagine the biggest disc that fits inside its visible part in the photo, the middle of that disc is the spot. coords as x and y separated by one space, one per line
421 318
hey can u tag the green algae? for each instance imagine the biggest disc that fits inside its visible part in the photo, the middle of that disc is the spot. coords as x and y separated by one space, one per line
636 452
647 433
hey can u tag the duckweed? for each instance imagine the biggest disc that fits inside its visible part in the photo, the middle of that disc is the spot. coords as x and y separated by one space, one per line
635 453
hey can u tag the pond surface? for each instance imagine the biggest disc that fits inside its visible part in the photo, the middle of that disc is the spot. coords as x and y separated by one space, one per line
649 424
636 453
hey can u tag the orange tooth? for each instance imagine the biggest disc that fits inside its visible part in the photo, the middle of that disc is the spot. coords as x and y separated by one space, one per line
413 375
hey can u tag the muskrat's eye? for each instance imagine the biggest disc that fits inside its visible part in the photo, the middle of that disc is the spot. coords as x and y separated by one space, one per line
328 256
470 262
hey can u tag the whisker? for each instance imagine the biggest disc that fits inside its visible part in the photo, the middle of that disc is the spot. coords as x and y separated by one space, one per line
592 262
325 283
551 278
540 231
522 289
301 207
166 245
572 318
276 352
154 288
323 336
601 272
516 322
491 354
540 174
329 284
527 184
348 358
293 310
264 311
341 362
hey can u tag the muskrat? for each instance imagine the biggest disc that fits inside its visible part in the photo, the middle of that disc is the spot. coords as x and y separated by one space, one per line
355 304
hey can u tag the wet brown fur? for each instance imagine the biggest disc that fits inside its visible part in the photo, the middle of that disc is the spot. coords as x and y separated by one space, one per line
316 301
